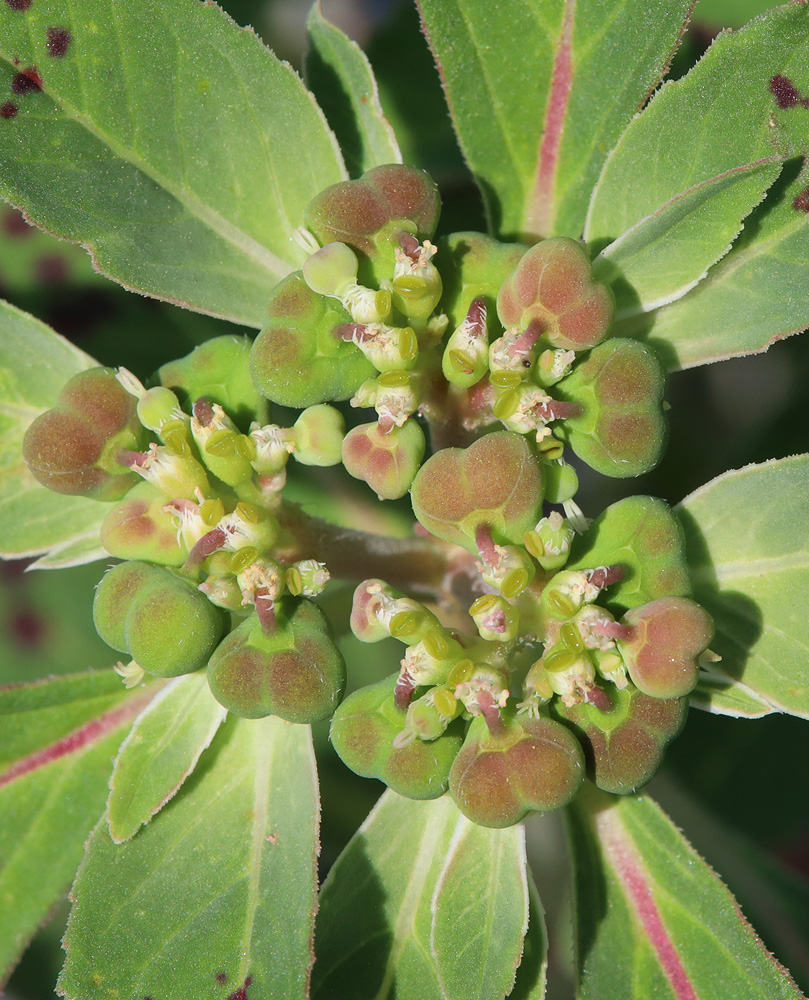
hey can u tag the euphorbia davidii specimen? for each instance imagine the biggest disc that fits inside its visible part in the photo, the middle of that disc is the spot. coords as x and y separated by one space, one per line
544 662
521 380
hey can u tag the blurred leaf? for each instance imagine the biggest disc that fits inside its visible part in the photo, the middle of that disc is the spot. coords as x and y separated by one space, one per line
526 82
666 253
652 919
411 95
193 906
480 912
160 751
31 259
730 13
60 739
36 363
168 141
339 75
747 535
46 623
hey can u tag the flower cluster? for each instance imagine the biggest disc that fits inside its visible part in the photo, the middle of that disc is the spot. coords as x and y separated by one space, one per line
550 649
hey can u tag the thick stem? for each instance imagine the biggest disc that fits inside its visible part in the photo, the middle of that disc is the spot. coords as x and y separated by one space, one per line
413 564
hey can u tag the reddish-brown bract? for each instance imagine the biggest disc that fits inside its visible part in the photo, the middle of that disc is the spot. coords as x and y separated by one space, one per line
535 765
669 635
552 288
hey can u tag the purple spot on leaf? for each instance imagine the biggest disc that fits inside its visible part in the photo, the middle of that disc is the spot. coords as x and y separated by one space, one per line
801 201
241 992
8 110
19 4
15 225
785 92
26 81
58 41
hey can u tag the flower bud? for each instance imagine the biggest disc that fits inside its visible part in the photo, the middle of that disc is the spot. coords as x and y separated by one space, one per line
318 435
549 542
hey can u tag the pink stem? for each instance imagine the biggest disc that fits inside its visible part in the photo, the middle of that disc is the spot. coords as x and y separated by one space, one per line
490 711
403 692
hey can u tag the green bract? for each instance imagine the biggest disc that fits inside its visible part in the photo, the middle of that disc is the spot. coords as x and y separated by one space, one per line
298 359
138 607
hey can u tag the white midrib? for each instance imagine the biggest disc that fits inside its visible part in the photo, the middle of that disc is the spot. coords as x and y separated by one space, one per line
410 900
261 786
191 202
744 569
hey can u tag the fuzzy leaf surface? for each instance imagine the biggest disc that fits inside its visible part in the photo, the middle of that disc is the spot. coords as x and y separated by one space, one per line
665 254
652 919
741 103
753 297
170 142
526 82
340 76
747 535
480 912
60 738
218 891
35 363
160 751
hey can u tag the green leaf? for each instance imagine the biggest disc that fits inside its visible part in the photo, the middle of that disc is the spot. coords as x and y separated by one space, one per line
533 971
339 75
373 928
747 538
36 363
540 90
217 893
773 896
662 256
652 919
38 717
171 143
730 111
721 694
480 912
423 903
160 752
53 784
754 296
